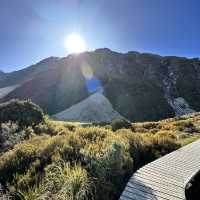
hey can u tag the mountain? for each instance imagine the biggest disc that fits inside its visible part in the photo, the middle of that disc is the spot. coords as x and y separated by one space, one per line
140 86
6 90
21 76
96 108
2 75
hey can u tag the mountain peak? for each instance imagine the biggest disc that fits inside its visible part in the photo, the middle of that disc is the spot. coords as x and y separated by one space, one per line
2 72
105 50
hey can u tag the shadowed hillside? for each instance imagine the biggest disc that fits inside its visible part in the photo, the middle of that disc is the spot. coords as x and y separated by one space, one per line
139 86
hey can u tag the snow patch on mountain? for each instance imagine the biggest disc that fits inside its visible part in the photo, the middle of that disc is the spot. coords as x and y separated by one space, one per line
96 108
181 107
179 104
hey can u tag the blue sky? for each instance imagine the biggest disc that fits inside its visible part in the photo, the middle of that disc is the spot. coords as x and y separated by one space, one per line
31 30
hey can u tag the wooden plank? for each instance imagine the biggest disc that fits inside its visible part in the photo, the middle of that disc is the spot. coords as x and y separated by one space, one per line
123 197
158 177
161 174
155 190
157 186
173 169
153 193
186 161
136 195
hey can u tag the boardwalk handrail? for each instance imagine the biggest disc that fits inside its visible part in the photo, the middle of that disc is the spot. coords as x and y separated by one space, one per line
166 177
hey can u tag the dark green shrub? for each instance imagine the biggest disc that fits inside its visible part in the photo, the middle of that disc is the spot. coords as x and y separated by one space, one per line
120 123
151 125
25 113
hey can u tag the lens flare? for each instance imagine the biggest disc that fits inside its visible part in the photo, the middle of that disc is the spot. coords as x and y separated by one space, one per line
86 70
92 83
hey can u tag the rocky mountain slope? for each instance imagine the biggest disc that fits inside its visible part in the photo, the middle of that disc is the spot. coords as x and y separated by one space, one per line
96 108
6 90
2 74
139 86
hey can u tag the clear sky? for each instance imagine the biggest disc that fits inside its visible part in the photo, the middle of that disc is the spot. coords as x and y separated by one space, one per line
31 30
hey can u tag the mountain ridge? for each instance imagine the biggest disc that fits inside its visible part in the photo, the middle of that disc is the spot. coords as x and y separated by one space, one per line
140 86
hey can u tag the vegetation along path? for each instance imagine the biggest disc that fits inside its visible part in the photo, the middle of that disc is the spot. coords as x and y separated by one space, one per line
165 178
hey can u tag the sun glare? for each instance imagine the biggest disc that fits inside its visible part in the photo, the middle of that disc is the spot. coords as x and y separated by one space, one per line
75 43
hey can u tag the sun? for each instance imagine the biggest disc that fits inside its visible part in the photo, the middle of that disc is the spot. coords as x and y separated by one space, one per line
75 43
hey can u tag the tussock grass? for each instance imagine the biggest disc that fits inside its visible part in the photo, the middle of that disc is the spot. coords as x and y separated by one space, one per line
66 161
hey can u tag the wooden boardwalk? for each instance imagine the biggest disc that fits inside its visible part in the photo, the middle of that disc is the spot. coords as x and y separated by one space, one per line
166 177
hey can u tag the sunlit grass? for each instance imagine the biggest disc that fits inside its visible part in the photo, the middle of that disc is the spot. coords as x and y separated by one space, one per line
64 160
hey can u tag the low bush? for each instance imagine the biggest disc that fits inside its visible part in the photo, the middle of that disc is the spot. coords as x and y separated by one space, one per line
151 125
10 135
52 128
63 182
186 126
120 123
24 113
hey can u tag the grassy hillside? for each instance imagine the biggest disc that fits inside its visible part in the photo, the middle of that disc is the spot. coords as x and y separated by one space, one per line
62 160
